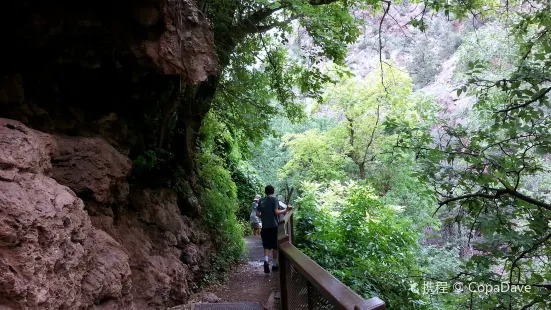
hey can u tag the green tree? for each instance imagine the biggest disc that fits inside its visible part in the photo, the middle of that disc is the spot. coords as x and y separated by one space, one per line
253 78
482 170
349 231
272 154
248 185
364 105
313 158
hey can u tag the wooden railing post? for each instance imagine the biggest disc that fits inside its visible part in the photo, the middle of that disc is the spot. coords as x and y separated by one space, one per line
283 274
291 230
318 280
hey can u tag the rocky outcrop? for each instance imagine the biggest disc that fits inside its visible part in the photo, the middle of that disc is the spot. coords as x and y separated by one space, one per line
51 257
186 45
91 168
165 249
112 249
23 150
108 81
123 76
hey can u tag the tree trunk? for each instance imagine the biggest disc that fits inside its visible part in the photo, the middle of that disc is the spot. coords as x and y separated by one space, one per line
289 195
362 171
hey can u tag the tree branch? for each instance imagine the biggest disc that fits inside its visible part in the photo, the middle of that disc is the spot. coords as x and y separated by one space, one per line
528 306
532 248
498 193
527 103
372 133
528 199
385 12
264 28
251 23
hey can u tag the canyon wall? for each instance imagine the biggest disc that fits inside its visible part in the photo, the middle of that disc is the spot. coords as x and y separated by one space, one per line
116 248
85 88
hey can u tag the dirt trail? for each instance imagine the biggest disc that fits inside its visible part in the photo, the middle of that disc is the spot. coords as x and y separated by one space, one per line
248 282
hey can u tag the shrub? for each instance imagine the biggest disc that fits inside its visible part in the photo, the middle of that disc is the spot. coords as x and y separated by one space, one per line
363 242
219 207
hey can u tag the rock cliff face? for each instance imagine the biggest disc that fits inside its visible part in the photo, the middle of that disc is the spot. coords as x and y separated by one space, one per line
99 82
118 69
117 249
85 88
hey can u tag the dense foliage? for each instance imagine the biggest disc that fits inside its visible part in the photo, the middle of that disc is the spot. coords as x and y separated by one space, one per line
479 163
485 169
368 232
429 164
348 230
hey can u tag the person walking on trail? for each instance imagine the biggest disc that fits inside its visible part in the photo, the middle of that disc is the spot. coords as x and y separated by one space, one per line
255 221
268 211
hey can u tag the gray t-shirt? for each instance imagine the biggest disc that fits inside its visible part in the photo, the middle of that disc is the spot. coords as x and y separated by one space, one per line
254 218
266 207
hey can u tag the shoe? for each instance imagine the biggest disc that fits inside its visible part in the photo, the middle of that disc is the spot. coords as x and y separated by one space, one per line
266 267
275 268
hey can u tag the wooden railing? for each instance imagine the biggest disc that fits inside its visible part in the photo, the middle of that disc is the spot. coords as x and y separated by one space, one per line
306 285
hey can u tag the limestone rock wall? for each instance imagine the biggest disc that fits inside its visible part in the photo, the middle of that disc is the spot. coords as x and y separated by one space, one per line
93 80
116 248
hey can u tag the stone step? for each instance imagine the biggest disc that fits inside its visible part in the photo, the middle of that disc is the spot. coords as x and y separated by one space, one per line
227 306
270 303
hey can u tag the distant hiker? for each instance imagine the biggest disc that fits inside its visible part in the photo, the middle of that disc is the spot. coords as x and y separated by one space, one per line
268 211
281 206
255 221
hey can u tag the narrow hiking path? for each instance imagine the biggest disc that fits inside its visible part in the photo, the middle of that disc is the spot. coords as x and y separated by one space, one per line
248 282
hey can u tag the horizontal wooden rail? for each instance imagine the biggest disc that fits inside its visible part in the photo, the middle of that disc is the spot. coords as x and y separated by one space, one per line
338 294
286 217
334 290
371 304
